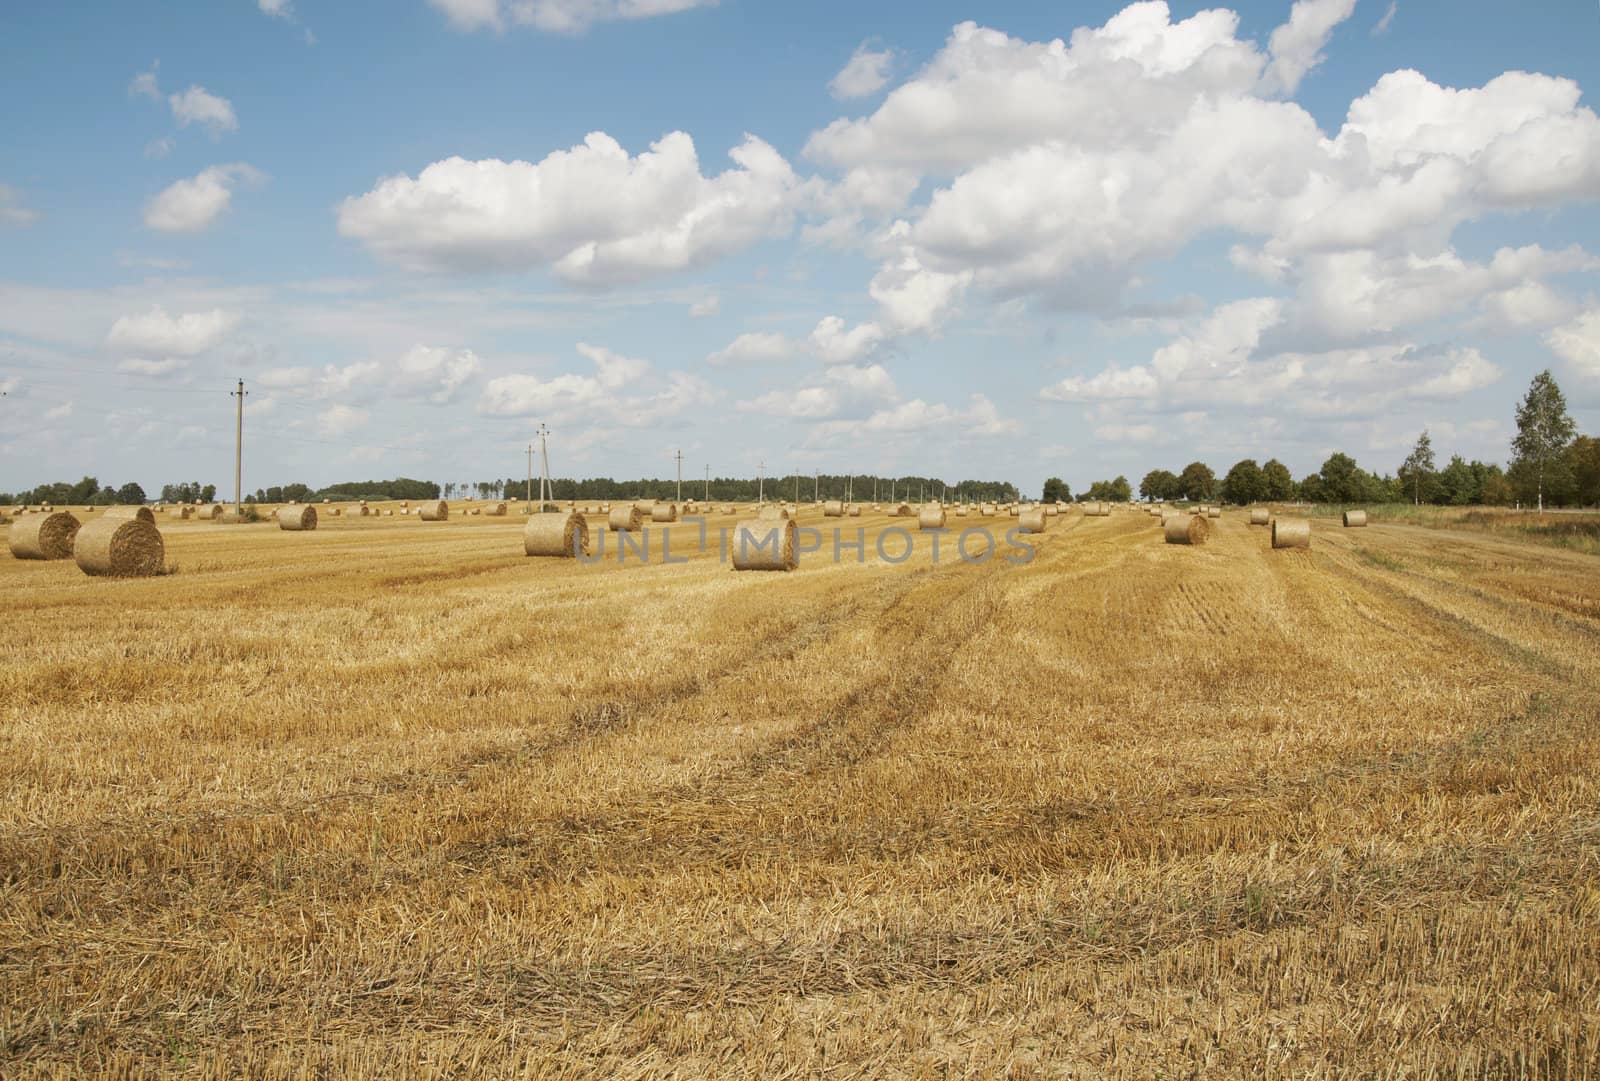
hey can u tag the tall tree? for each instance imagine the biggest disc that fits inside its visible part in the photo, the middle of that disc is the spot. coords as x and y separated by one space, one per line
1544 428
1159 484
1197 480
1342 480
1245 482
1584 461
1418 468
1055 491
1276 480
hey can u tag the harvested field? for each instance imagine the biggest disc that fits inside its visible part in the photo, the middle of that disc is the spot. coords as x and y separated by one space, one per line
390 799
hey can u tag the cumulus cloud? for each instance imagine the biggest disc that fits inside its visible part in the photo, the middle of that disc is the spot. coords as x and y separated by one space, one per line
144 85
197 105
340 420
1109 385
426 372
12 212
278 9
833 344
753 348
558 16
866 73
593 214
1297 45
1578 343
622 390
155 333
708 305
836 391
192 205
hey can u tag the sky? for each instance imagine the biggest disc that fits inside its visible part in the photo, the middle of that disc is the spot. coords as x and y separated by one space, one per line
1003 240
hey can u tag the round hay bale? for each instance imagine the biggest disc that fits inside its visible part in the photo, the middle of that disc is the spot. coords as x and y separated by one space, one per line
1213 512
626 518
326 501
1015 512
1033 520
854 511
931 517
1260 516
901 510
185 512
434 510
1186 529
336 512
45 536
209 512
390 513
645 506
1291 533
360 512
556 533
729 508
120 548
1052 510
833 508
144 514
664 512
297 519
772 512
475 510
1355 519
496 510
766 544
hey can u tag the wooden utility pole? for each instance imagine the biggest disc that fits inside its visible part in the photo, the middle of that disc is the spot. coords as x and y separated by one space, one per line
530 477
238 452
544 464
761 483
708 482
816 483
680 474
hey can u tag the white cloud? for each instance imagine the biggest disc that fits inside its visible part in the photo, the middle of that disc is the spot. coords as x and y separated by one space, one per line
1381 27
60 412
1127 433
753 348
593 214
143 85
1111 384
155 333
833 344
1468 371
152 367
159 148
12 212
838 390
192 205
340 420
708 305
197 105
558 16
866 73
1296 46
1578 343
604 393
278 9
980 418
428 372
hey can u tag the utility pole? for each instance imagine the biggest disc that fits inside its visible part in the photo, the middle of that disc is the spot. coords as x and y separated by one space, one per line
708 482
761 483
544 463
680 474
530 477
238 452
797 489
816 483
874 487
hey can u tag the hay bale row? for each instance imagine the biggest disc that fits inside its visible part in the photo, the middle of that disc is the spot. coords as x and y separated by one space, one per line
44 535
120 548
626 518
1186 529
297 519
556 533
1291 533
766 544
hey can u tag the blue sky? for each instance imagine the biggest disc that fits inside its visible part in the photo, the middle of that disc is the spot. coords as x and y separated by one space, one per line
946 246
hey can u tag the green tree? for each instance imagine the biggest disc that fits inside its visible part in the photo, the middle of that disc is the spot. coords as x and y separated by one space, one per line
1457 486
1417 471
1544 429
1277 484
1056 491
1583 462
1343 481
1197 481
1311 488
1245 483
83 491
1159 484
130 495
